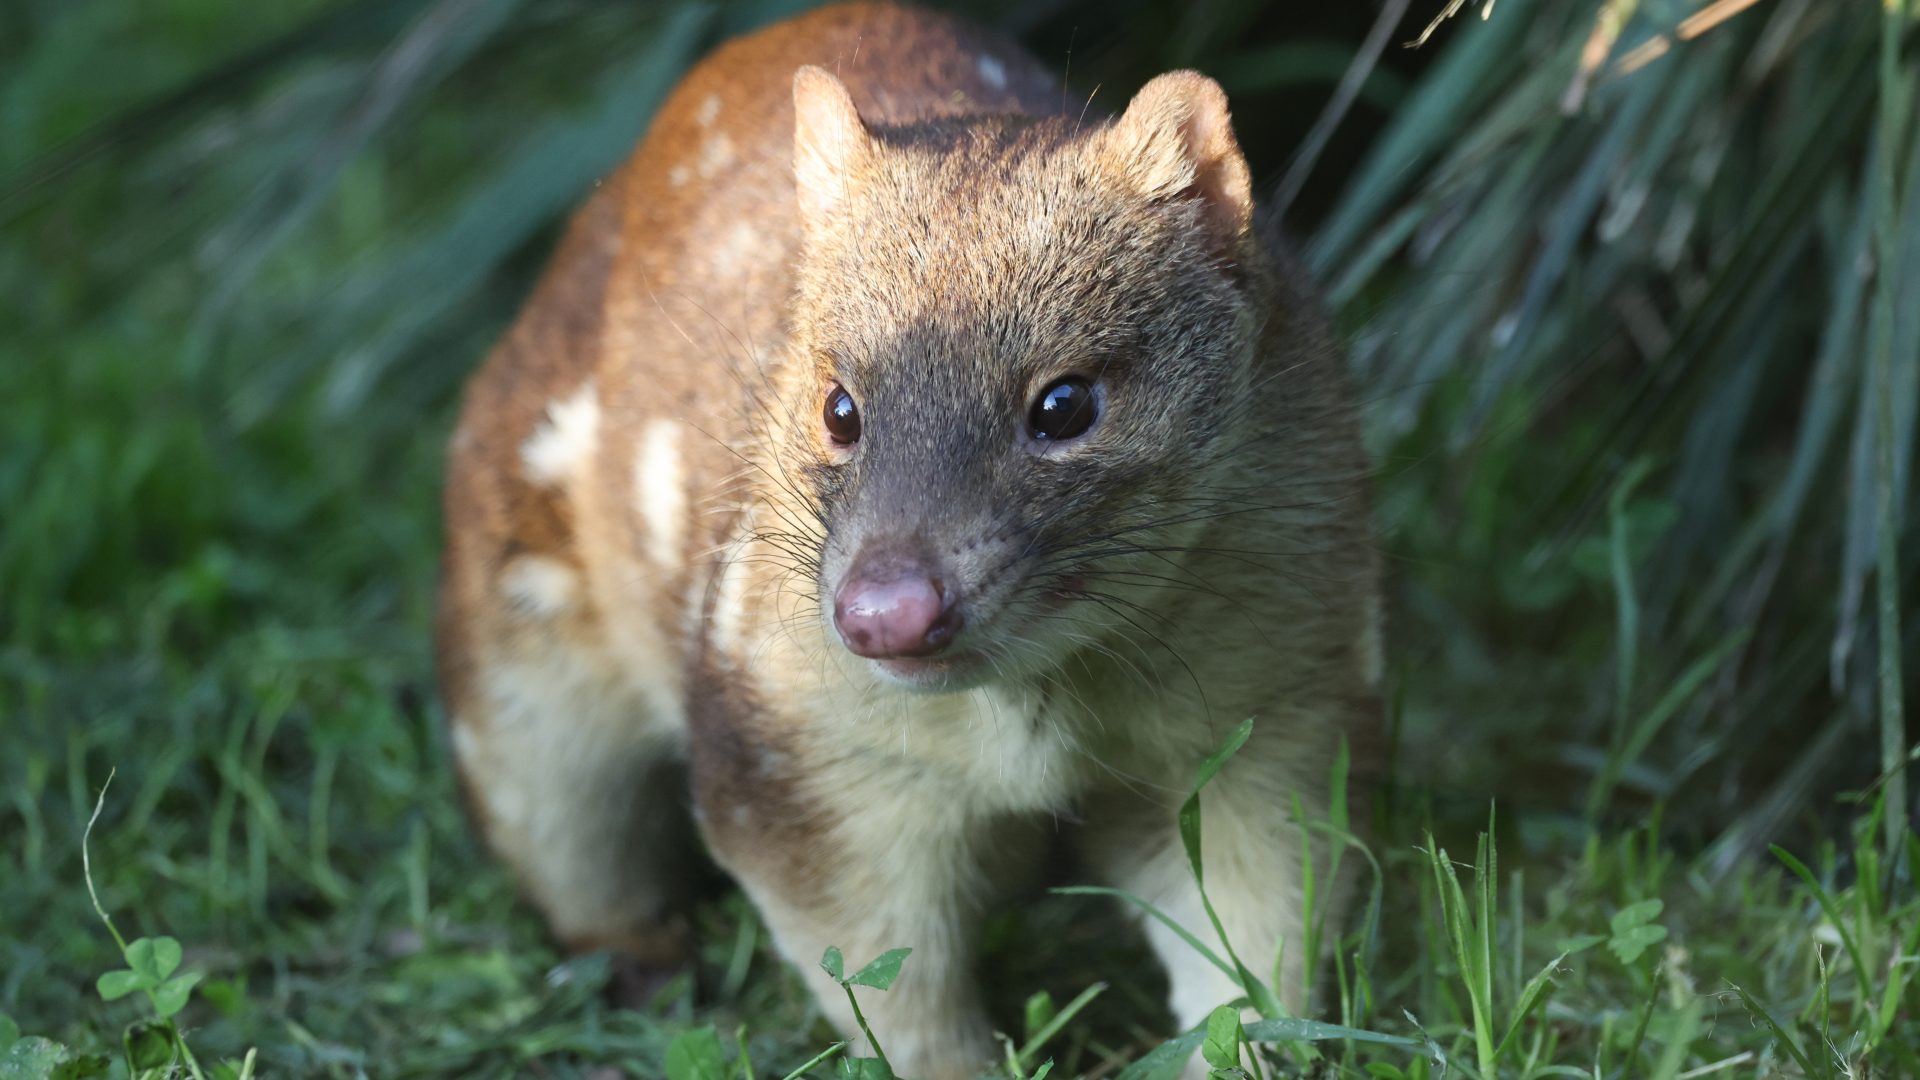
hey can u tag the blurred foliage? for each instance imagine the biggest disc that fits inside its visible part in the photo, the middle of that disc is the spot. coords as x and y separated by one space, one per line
1638 351
1673 273
237 232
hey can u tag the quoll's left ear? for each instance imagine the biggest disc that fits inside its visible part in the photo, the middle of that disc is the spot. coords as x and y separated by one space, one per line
830 143
1176 141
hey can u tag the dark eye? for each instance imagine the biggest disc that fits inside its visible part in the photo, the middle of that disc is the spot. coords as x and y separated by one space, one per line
1063 410
842 417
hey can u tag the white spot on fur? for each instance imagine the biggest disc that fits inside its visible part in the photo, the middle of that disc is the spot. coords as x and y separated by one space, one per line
507 806
679 175
538 585
709 110
660 490
731 254
993 72
715 155
466 747
564 439
730 607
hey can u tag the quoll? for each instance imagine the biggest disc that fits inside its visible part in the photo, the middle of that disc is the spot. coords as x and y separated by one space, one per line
897 466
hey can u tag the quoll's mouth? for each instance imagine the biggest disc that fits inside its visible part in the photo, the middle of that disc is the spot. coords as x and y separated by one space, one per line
935 672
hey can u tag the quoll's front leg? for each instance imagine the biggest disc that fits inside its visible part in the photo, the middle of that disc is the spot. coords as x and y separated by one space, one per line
896 866
1251 855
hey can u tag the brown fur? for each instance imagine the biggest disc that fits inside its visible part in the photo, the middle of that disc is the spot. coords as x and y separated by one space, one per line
645 520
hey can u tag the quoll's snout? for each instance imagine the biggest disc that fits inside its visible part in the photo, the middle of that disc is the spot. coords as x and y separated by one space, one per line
891 604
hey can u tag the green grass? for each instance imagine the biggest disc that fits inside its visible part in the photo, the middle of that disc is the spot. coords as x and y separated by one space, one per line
1642 379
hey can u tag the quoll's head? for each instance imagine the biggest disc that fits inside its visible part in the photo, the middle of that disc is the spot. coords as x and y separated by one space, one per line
1023 353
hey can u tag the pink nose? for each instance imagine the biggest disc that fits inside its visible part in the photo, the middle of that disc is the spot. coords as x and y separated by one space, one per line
901 611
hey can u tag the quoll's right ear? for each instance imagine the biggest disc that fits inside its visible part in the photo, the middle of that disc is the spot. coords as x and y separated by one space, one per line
830 143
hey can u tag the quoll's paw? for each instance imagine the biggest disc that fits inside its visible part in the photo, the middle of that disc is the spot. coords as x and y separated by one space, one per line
640 965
